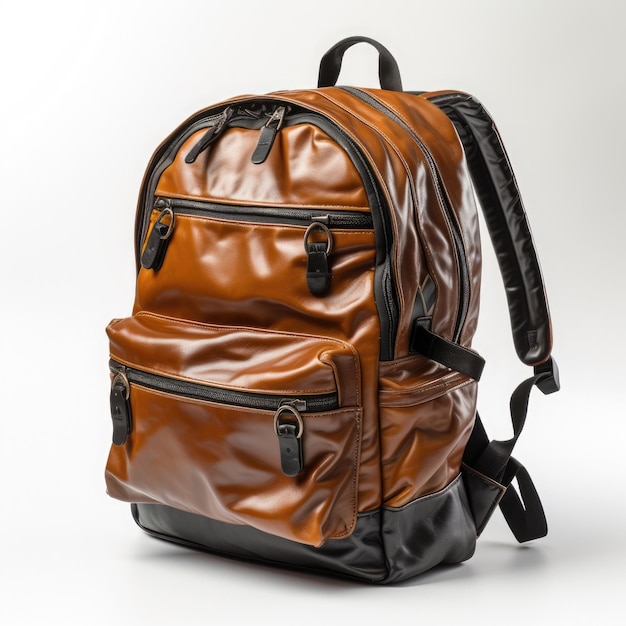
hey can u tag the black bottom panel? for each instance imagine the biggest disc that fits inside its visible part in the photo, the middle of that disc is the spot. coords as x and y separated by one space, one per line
426 532
388 545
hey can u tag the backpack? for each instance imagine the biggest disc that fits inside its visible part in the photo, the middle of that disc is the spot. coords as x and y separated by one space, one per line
296 384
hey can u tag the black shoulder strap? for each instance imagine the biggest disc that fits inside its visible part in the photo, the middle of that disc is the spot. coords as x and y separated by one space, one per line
489 468
506 220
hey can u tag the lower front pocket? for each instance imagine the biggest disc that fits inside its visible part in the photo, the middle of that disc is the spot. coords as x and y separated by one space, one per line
283 463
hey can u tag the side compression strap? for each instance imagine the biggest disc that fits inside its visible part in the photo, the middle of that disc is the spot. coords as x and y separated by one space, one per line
446 352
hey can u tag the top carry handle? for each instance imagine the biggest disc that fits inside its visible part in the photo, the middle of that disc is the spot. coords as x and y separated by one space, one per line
330 65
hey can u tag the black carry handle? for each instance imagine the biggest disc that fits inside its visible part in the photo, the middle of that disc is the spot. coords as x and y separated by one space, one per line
497 190
330 65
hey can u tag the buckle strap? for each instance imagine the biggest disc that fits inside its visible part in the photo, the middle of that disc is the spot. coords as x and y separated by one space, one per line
523 511
446 352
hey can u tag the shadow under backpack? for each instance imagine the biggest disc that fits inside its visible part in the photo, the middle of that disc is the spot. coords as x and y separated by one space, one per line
296 384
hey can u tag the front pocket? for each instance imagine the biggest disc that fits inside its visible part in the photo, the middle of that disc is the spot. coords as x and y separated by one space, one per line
241 425
259 274
316 236
426 416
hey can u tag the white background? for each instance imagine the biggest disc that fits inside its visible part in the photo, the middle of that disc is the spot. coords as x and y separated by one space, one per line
88 90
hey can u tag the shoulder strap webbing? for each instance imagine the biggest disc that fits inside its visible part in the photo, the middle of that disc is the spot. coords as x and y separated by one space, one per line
489 468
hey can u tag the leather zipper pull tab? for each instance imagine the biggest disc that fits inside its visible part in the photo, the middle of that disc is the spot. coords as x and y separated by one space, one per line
120 409
159 238
289 426
211 135
318 275
268 134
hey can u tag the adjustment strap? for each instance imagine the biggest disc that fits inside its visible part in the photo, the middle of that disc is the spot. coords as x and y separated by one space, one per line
450 354
493 461
523 512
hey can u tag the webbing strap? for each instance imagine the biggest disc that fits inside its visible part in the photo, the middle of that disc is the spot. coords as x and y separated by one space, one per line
446 352
523 511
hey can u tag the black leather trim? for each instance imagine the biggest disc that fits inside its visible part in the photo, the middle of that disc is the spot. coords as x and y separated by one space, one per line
426 532
387 545
506 220
385 288
359 556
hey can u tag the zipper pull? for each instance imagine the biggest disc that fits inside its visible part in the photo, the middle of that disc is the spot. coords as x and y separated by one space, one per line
159 238
211 135
120 408
289 426
318 273
268 134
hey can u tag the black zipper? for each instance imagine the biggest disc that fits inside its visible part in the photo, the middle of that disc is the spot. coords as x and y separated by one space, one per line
285 215
457 239
246 114
247 399
385 288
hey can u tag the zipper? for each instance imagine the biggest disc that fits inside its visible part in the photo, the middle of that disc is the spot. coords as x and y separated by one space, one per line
457 239
198 391
285 215
250 115
166 152
211 135
288 424
318 273
268 134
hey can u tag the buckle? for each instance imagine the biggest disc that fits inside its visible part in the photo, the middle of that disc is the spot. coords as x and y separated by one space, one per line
549 381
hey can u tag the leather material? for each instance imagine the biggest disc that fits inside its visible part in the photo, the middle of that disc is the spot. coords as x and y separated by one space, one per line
424 426
184 463
156 247
283 178
197 284
432 530
387 545
290 449
216 268
318 276
120 413
506 220
257 305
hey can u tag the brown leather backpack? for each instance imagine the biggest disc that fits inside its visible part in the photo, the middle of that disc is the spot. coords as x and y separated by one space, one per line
296 383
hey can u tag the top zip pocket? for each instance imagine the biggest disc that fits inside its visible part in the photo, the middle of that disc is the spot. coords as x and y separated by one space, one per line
344 218
236 115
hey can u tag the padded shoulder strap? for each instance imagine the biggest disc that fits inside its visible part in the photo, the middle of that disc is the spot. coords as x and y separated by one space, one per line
489 467
497 190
